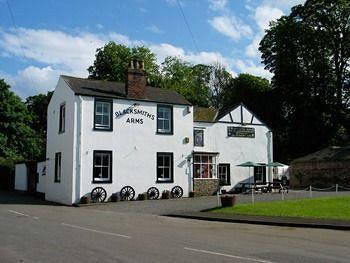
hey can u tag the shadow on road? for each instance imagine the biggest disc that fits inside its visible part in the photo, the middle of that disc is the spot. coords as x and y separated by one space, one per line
12 197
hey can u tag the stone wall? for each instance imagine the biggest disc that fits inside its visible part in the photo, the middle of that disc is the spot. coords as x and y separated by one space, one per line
321 174
205 187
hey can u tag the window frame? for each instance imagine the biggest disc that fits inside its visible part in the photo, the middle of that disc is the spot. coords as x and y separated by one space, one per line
110 102
196 130
62 118
171 169
171 121
228 174
201 163
58 175
109 180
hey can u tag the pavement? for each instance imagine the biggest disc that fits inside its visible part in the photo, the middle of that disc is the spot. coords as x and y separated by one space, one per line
38 231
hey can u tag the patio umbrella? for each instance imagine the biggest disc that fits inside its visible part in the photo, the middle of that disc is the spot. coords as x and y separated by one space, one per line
250 164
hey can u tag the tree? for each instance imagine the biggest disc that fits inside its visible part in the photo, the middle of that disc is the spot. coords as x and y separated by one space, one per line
37 108
308 53
17 140
112 60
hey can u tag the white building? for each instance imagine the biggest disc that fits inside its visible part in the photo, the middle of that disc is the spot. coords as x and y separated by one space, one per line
111 135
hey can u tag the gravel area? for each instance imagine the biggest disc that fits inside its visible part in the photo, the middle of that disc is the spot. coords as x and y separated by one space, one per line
182 205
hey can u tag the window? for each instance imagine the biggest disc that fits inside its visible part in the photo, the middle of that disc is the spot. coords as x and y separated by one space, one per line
43 172
198 137
165 167
164 119
103 115
102 167
204 166
62 123
260 174
224 174
58 167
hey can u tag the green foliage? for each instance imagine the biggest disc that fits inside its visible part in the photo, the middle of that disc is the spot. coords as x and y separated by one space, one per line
18 140
112 60
308 52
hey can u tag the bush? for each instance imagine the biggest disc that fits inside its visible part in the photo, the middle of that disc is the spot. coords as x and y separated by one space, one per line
85 200
142 196
191 194
166 194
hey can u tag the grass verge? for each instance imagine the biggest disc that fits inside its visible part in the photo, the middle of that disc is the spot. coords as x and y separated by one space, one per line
320 208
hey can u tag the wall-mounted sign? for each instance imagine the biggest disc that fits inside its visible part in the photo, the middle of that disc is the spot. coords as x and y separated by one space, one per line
138 119
241 132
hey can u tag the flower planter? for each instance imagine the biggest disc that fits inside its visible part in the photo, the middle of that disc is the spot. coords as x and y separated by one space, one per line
228 200
85 200
166 194
115 197
142 196
191 194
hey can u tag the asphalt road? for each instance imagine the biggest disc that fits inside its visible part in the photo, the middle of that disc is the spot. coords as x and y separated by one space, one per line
40 232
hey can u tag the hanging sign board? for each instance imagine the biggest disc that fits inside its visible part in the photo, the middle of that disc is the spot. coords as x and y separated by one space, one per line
240 132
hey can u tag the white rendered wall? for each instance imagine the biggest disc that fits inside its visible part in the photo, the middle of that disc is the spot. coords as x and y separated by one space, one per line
60 142
236 150
21 177
41 185
134 148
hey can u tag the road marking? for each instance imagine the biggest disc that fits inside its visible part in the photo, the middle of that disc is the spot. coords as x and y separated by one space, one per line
95 231
227 255
21 214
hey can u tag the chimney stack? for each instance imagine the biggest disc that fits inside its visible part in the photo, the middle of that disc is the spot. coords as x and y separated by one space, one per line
135 85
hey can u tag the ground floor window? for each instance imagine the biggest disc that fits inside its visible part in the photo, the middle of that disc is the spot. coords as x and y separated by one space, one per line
102 167
58 167
260 174
224 174
204 166
165 163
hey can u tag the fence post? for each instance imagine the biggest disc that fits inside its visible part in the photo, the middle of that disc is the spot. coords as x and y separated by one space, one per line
336 188
310 191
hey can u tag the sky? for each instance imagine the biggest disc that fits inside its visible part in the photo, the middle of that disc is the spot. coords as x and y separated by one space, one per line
40 40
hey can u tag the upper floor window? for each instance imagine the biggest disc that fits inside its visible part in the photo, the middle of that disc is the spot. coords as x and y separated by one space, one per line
62 122
164 119
198 137
103 115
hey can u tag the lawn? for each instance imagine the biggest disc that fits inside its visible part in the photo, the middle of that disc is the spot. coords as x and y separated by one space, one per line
322 208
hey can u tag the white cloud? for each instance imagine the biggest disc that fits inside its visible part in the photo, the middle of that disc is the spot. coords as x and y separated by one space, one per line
285 5
264 14
63 53
154 29
230 26
252 49
217 5
33 80
251 68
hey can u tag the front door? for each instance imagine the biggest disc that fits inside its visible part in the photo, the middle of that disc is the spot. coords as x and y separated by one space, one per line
224 174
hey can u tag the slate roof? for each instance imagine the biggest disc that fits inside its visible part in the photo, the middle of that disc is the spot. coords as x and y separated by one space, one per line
113 89
332 153
202 114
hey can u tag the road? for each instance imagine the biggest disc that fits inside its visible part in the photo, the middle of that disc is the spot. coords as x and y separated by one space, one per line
40 232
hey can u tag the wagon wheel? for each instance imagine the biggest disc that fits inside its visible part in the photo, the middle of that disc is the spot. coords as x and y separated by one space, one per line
98 195
176 192
127 193
153 193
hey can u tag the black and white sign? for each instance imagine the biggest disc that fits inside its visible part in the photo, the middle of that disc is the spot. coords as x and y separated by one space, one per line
240 132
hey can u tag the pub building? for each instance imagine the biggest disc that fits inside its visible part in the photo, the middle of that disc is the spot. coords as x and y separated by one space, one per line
106 137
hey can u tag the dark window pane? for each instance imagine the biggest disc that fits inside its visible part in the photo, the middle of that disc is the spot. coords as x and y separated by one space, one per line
160 173
105 120
97 171
98 119
105 173
167 161
166 173
98 160
105 160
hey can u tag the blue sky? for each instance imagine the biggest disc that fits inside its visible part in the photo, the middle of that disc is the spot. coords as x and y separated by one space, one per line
48 38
